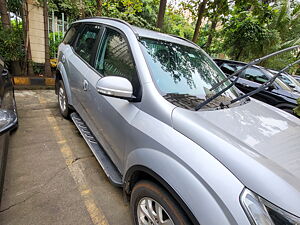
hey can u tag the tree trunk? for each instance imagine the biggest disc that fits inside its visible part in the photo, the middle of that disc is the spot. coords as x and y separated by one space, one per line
99 7
4 14
201 10
46 33
161 13
28 69
238 55
211 33
82 13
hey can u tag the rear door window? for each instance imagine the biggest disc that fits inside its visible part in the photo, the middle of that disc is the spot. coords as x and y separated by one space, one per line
71 34
87 40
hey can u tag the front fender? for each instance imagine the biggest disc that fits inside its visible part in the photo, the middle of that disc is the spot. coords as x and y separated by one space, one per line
64 76
206 202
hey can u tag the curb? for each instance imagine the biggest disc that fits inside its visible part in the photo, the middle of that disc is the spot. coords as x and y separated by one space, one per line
33 81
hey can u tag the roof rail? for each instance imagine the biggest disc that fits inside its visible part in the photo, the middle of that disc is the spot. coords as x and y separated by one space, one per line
113 19
173 35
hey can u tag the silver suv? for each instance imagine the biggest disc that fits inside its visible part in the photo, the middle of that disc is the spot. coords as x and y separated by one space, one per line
145 104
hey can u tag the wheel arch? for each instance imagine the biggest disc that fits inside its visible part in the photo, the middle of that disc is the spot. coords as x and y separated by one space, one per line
61 74
139 172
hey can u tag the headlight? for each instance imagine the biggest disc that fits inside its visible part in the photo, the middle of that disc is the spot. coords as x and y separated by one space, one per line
262 212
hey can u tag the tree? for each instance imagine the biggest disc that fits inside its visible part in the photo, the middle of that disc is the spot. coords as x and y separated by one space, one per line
46 34
201 10
28 68
217 12
161 13
4 14
99 7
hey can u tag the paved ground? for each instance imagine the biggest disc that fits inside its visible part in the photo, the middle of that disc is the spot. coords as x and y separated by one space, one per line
51 175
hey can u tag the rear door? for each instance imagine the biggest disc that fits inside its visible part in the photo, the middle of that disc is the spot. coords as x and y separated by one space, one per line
79 64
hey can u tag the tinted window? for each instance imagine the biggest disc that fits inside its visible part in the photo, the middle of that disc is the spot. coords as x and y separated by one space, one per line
230 68
71 34
115 59
86 41
256 75
285 80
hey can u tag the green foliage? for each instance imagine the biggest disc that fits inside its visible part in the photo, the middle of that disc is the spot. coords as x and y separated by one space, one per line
133 11
38 68
297 109
53 45
245 29
246 38
11 44
175 23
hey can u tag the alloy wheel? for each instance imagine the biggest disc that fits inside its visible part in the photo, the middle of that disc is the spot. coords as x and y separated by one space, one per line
150 212
62 99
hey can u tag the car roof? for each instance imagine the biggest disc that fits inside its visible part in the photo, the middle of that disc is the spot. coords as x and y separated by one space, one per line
141 32
146 33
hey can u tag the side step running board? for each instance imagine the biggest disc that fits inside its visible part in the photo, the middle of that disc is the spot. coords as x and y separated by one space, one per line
105 162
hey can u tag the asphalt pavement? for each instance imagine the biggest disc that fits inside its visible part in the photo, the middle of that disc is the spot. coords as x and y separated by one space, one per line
51 175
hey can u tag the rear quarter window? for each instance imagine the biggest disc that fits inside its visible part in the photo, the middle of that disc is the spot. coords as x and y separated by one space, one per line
71 34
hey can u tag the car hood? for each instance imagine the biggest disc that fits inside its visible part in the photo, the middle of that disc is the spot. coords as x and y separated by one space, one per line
258 143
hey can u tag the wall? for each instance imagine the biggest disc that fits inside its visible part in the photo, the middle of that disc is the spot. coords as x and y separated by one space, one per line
36 32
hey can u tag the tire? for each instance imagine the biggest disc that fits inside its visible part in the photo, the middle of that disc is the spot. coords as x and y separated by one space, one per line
149 197
63 103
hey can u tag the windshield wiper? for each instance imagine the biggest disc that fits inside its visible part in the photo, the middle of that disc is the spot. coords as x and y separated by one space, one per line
267 84
254 62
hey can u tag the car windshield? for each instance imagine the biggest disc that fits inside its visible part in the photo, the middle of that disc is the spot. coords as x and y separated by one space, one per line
283 85
185 71
293 80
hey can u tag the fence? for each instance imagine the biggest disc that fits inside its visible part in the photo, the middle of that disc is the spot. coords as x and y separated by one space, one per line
57 28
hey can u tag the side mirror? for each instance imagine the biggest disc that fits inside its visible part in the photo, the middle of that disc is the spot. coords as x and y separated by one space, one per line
8 120
113 86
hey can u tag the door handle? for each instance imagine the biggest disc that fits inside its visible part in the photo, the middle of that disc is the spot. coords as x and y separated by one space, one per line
85 85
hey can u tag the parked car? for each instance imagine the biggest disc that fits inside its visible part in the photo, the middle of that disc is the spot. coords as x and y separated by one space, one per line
8 116
288 79
278 95
297 77
132 93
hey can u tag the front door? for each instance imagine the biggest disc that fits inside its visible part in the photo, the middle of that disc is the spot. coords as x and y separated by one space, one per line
112 116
